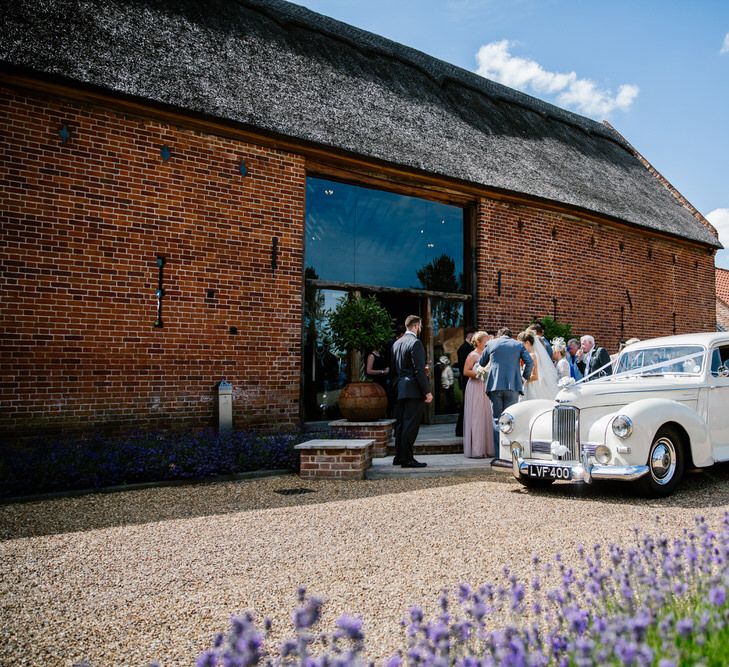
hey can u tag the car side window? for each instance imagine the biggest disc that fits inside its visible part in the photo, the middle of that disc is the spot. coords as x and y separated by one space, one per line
720 361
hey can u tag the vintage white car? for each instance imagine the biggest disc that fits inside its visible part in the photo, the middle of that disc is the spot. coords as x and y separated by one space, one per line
665 409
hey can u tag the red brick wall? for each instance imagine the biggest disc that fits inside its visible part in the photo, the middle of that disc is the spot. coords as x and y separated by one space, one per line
83 221
592 270
81 226
335 463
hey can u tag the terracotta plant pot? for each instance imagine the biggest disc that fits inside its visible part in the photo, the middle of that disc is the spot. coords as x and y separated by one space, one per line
363 402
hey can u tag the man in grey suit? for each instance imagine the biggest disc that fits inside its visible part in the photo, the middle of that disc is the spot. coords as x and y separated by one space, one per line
595 360
505 379
413 392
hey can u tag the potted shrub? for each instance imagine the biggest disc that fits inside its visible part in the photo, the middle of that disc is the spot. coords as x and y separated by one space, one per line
357 326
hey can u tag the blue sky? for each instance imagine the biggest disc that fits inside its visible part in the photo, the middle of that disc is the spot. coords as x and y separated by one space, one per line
656 70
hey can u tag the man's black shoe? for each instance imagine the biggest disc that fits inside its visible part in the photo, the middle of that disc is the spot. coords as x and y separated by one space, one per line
414 464
396 462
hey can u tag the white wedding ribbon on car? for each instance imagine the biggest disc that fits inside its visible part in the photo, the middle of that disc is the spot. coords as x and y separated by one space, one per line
633 371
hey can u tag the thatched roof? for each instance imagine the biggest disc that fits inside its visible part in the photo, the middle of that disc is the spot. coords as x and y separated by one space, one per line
280 68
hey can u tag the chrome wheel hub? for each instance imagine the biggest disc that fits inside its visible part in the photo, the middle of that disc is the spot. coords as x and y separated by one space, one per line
662 461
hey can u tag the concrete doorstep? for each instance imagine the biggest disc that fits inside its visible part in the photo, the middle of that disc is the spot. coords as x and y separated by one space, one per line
438 446
438 465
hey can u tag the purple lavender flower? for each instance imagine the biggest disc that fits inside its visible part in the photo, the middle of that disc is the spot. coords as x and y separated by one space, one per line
626 651
517 596
639 624
685 627
577 620
307 616
463 631
717 596
207 658
416 614
478 610
351 626
464 592
289 647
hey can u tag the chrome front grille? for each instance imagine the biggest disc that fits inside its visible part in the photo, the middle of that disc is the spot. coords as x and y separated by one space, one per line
566 429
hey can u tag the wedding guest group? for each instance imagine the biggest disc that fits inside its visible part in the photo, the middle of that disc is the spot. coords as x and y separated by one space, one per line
494 374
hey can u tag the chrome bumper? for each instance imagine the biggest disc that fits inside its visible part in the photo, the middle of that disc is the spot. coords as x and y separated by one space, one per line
581 471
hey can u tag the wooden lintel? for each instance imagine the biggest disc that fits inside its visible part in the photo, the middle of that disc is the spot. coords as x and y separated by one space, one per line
389 179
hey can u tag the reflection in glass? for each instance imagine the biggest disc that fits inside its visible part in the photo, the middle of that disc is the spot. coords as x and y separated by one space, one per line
325 368
447 338
373 237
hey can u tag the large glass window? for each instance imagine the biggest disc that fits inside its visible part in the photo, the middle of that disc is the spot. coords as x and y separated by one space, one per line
372 237
410 251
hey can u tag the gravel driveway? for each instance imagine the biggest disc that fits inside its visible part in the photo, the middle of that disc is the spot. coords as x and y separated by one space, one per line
127 578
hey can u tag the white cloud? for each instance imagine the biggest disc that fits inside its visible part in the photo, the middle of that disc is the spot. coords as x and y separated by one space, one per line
496 62
725 45
719 217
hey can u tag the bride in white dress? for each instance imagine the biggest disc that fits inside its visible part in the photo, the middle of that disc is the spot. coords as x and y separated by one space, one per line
543 382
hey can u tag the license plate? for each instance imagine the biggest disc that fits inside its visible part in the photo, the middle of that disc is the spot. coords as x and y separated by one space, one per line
549 472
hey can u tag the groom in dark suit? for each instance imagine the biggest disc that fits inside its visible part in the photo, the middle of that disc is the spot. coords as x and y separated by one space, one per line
413 392
505 379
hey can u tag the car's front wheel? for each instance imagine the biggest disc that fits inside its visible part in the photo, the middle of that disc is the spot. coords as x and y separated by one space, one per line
666 463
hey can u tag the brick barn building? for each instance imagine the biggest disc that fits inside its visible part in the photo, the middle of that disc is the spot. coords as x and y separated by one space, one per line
187 186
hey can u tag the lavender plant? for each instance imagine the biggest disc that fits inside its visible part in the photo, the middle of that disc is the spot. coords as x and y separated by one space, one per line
97 460
657 603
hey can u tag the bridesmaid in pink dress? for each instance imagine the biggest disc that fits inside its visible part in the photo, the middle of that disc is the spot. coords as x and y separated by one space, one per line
478 432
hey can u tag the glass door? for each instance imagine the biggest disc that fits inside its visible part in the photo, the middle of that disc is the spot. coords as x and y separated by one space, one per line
325 367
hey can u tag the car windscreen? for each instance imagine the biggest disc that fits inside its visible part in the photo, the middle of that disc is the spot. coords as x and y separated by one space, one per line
683 359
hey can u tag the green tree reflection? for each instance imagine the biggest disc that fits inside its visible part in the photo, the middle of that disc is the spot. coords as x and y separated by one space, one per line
440 276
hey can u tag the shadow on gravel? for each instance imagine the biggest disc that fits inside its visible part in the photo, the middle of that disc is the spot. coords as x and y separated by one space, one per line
140 506
700 488
706 488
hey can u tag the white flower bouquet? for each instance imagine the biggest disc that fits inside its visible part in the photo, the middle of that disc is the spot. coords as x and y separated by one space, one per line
480 371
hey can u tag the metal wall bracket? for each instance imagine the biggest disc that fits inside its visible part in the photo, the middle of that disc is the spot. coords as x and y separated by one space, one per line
160 291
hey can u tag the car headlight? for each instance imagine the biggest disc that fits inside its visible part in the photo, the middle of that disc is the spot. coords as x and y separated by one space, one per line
622 426
603 454
506 423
